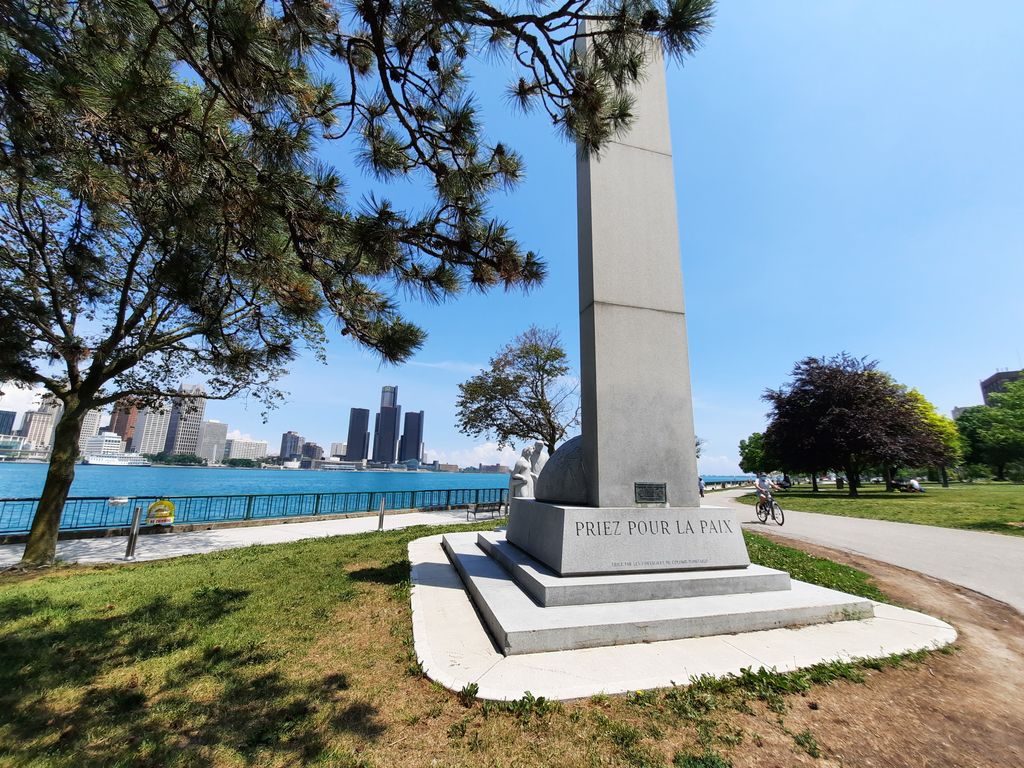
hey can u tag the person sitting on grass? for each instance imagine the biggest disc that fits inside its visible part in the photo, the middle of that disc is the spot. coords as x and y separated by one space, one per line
914 486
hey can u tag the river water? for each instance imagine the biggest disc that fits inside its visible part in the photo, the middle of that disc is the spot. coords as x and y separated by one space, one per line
20 481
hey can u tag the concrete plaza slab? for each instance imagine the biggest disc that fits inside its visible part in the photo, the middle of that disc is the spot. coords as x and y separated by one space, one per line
455 649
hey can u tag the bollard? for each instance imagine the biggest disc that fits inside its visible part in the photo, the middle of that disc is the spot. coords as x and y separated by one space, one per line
133 534
380 516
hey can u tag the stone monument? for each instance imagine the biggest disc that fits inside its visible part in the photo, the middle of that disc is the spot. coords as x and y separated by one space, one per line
623 496
614 547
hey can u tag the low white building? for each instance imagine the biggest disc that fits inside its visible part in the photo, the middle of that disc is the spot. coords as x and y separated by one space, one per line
245 449
104 444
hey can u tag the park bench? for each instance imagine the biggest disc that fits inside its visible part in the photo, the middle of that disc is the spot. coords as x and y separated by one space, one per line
493 508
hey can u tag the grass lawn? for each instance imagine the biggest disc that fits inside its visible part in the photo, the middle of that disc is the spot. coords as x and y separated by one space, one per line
301 654
997 507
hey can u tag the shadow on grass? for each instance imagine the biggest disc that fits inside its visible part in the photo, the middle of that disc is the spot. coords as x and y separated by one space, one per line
390 574
77 690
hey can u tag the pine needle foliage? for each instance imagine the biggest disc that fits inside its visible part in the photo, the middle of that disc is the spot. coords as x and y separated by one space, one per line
164 211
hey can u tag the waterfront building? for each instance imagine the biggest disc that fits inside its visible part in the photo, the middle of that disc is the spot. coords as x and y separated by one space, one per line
7 422
358 446
105 444
123 421
187 412
411 444
90 428
291 446
37 428
997 383
17 448
151 430
386 427
212 437
338 450
311 450
245 449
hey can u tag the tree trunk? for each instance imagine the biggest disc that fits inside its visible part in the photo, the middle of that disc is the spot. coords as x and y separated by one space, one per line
852 476
944 475
814 481
1000 472
888 478
41 547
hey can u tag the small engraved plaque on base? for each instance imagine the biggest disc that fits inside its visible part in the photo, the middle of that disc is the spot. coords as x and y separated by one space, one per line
650 493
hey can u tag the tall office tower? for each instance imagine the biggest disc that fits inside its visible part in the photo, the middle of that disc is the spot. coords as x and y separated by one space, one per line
7 422
123 420
212 436
338 450
291 446
386 426
151 430
411 444
358 446
312 451
90 428
37 427
187 412
997 383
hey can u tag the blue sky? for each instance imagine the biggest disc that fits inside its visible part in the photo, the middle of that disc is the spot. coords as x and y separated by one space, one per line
850 176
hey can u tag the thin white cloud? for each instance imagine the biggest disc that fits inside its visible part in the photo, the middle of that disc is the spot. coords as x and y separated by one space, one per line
237 434
19 400
485 453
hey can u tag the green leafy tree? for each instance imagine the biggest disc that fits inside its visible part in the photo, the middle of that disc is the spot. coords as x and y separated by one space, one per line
163 211
844 412
753 457
525 393
949 449
245 463
994 434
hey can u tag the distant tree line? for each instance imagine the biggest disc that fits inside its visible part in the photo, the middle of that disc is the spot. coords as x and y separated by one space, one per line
175 458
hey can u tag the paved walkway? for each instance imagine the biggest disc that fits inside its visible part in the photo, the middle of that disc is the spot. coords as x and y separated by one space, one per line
161 546
990 563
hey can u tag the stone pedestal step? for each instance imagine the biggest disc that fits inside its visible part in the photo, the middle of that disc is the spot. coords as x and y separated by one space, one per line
549 589
519 625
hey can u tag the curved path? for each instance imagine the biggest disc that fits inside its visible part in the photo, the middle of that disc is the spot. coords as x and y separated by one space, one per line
989 563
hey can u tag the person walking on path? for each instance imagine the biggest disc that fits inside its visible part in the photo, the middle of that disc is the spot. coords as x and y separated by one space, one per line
700 486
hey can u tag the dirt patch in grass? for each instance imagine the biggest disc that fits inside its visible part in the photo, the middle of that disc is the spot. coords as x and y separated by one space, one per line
962 709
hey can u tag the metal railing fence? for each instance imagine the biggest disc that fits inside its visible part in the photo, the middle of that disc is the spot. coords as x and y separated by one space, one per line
98 513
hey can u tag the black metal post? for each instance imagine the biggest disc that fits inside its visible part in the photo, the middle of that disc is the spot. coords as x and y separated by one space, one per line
133 534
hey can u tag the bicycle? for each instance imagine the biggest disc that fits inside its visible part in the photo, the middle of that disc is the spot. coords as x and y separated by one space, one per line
770 507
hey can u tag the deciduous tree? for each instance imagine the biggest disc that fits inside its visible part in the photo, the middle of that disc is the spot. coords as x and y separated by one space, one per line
994 434
163 210
525 393
843 412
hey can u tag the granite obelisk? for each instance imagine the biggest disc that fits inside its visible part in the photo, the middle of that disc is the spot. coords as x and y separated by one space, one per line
635 461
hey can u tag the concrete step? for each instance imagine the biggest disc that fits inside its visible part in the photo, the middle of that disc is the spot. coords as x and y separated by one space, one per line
519 625
549 589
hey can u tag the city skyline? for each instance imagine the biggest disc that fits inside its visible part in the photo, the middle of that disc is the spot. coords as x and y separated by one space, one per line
842 185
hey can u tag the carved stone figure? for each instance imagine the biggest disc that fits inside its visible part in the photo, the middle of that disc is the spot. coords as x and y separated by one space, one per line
526 471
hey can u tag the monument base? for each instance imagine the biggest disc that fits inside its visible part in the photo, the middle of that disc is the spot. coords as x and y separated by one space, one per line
519 625
578 541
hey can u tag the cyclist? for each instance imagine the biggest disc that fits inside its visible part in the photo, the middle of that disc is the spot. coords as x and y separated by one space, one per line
764 486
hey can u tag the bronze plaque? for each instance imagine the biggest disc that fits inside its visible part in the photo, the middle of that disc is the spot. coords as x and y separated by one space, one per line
650 493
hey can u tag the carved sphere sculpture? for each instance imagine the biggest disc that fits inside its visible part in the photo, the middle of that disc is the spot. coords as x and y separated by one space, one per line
563 479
